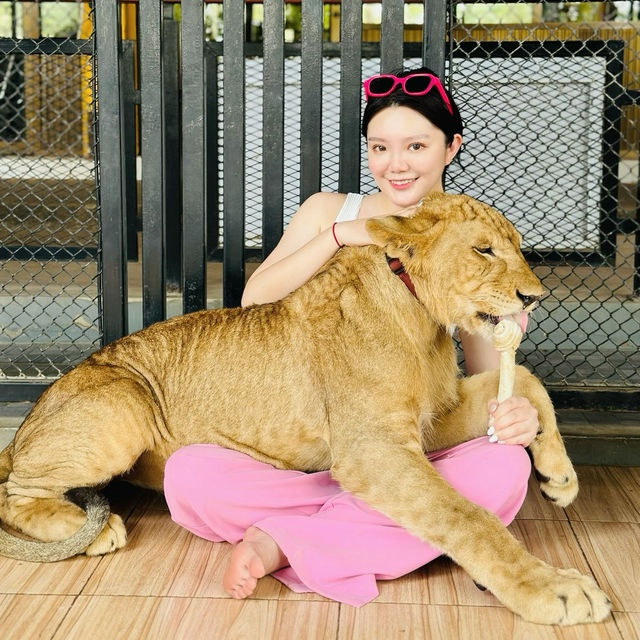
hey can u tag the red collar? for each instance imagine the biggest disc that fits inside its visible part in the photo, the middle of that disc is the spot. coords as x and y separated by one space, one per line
398 269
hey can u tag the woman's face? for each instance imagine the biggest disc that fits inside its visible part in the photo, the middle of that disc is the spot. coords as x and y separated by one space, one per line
407 154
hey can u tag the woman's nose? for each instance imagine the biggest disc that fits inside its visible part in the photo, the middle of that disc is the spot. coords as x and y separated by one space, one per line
398 162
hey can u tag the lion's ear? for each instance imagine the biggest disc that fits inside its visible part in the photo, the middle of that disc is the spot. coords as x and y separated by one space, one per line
399 232
386 230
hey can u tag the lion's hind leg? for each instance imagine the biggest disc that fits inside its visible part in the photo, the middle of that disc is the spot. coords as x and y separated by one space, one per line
48 515
76 436
55 518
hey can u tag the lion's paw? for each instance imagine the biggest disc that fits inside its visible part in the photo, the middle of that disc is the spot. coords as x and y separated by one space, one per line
559 485
563 597
111 538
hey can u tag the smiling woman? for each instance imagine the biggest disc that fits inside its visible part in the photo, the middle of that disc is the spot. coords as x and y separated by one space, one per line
413 131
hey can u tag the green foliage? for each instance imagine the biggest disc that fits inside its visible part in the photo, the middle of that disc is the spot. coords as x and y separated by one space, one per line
59 19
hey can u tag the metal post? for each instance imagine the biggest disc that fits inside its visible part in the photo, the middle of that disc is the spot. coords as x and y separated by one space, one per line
350 95
311 98
434 34
273 126
113 292
152 149
172 175
391 35
233 152
193 158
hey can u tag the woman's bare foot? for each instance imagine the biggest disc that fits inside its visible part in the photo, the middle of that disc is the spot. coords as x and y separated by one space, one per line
253 558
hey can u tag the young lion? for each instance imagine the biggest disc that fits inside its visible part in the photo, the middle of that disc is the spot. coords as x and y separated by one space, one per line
311 382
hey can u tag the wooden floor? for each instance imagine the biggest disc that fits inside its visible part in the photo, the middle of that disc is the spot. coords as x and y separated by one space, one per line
166 583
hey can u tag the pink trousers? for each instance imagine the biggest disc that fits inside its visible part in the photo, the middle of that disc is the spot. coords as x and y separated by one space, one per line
336 545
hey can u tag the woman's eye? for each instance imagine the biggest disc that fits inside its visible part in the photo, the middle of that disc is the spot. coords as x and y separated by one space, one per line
415 146
487 251
378 147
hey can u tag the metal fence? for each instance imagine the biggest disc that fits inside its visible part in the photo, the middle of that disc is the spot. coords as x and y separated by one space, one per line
206 147
49 227
551 104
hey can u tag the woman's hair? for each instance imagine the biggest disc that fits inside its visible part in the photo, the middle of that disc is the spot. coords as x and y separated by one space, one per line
430 105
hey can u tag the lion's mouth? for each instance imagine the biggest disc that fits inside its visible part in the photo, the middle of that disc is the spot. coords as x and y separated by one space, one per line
520 318
486 317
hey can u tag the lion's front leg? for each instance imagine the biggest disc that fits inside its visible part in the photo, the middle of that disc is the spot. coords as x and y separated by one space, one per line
386 468
553 469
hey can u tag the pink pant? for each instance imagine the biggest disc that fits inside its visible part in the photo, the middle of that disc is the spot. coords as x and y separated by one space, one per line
336 545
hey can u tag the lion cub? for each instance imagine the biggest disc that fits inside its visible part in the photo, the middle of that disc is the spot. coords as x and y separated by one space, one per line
290 383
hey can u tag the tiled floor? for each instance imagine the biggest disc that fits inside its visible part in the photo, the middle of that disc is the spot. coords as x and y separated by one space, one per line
166 583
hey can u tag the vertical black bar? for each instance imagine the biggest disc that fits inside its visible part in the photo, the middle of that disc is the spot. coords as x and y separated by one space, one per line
173 201
233 152
311 98
272 125
636 254
391 35
194 262
636 250
434 32
113 240
130 182
612 115
211 148
152 150
248 19
350 91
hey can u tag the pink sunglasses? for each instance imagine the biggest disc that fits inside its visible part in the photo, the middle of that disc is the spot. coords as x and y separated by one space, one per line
415 84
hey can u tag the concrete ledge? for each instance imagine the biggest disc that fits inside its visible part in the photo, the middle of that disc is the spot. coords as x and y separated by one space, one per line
601 437
603 451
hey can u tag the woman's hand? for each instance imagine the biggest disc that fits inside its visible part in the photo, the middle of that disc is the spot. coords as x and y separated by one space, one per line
353 233
514 421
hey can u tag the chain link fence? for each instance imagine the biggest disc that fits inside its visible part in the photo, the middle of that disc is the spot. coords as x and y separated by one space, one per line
546 92
49 312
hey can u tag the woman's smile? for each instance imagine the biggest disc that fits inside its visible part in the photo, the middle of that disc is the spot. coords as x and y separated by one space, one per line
402 184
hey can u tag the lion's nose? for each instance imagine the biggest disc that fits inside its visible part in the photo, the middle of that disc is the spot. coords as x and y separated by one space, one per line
526 299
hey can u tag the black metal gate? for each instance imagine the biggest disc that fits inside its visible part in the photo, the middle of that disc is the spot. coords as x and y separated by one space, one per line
206 145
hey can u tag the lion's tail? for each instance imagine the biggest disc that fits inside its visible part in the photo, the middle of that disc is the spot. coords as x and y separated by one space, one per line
6 462
97 509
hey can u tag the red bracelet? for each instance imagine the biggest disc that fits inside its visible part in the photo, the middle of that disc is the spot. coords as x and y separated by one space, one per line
333 230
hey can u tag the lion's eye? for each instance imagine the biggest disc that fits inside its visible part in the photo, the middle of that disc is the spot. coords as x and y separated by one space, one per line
487 251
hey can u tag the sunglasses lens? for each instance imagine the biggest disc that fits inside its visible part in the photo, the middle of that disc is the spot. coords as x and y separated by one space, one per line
380 86
417 84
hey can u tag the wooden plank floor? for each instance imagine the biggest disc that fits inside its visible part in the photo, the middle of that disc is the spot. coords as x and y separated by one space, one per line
166 583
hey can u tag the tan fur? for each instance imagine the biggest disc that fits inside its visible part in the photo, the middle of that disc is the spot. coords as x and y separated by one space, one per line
349 373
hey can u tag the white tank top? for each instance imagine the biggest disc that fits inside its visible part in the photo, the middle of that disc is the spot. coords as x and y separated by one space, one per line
350 208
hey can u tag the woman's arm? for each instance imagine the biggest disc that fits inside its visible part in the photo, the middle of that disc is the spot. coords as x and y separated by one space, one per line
514 421
305 246
479 354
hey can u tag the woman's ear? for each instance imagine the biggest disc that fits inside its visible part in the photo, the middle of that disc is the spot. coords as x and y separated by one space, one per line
453 148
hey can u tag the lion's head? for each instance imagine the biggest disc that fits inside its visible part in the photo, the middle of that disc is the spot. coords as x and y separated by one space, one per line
464 260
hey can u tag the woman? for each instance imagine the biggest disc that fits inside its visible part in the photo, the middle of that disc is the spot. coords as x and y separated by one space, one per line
303 527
